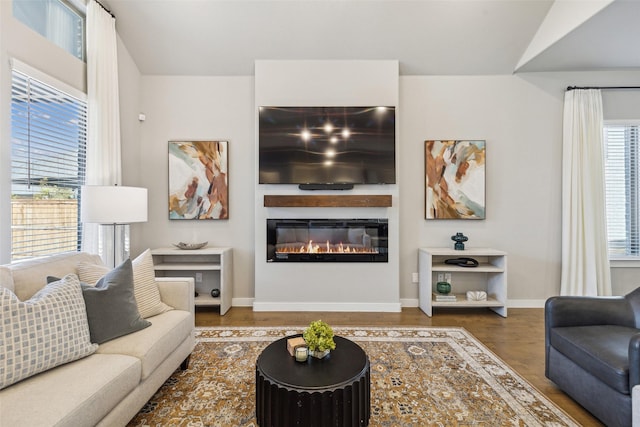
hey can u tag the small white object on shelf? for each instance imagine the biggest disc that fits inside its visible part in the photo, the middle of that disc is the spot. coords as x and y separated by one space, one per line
476 296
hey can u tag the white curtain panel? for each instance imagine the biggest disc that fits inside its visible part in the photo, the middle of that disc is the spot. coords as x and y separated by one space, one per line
585 260
103 139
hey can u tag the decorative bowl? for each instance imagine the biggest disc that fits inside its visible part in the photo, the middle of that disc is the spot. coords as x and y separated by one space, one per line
189 246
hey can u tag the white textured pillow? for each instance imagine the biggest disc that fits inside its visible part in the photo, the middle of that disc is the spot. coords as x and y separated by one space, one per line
48 330
90 273
145 287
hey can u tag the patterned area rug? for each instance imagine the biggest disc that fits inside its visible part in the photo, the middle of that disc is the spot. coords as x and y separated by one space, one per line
419 377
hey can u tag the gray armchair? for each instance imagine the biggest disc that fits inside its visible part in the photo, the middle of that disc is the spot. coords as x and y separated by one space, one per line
593 352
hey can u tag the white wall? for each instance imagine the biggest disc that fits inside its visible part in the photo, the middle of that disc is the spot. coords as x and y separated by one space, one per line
129 81
519 117
326 286
199 108
522 128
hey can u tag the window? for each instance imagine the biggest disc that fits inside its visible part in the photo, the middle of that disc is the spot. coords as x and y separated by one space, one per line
48 156
622 157
57 20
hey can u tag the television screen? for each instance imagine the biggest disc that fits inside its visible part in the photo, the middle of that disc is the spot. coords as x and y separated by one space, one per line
326 145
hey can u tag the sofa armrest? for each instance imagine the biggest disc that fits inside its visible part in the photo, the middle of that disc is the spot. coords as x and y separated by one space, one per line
178 292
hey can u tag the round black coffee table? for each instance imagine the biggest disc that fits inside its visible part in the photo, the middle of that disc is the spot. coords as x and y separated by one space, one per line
334 391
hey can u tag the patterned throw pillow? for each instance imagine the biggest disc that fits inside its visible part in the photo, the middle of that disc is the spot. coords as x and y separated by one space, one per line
48 330
144 284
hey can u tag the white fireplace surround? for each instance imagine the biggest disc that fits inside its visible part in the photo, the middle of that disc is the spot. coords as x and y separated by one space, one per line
350 286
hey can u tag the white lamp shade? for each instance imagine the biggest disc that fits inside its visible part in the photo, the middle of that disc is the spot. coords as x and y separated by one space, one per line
104 204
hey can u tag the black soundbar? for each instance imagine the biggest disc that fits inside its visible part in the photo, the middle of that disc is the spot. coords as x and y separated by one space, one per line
325 186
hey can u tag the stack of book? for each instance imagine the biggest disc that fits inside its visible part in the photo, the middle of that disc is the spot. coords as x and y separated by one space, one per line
444 298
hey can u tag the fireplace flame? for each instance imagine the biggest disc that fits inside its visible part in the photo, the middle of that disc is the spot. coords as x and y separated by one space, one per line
314 248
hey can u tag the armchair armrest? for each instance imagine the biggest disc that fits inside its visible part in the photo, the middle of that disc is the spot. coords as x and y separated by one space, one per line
585 311
178 292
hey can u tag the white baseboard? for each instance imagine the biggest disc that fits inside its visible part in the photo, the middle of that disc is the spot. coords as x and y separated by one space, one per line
242 302
512 303
404 302
326 306
409 302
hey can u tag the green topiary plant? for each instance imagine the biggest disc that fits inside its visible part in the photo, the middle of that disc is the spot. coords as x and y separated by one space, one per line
319 336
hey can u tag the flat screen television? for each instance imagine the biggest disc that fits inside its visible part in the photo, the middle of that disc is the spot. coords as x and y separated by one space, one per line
327 145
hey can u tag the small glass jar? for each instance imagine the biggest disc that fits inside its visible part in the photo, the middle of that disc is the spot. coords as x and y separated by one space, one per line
301 354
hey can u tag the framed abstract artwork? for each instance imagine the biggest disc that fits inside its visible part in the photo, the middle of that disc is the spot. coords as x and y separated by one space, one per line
198 180
455 179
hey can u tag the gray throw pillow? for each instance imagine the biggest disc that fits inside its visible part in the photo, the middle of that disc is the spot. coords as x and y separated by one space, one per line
112 310
111 305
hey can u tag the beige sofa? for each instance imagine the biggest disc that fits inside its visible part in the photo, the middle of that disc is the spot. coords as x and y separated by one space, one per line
110 386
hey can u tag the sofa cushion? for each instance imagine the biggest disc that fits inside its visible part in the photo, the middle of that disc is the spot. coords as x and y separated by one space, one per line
601 350
111 305
152 345
76 394
146 290
48 330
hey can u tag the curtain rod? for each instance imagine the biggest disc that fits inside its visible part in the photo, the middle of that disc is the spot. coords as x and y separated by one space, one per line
105 9
604 87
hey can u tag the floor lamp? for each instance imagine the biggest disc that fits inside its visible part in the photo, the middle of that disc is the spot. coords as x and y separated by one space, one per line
113 206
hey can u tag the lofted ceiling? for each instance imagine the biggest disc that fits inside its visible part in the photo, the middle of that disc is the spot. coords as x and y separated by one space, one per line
427 37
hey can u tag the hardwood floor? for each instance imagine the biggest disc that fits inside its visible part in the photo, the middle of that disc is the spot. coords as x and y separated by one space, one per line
517 339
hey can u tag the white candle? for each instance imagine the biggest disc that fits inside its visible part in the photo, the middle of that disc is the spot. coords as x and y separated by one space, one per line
301 354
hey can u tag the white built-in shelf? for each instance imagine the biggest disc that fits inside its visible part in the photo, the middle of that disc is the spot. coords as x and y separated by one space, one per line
462 302
489 276
213 265
187 266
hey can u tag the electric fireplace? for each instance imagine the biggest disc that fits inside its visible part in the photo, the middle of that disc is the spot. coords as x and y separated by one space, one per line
327 240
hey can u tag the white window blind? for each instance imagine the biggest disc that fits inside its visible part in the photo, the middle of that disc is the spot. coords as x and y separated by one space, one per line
48 157
621 178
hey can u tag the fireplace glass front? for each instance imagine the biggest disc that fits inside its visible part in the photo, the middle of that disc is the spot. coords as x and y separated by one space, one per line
327 240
